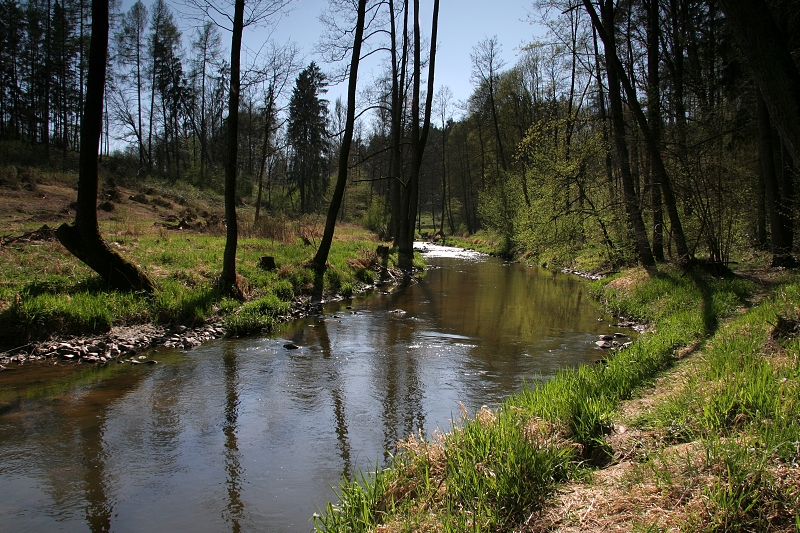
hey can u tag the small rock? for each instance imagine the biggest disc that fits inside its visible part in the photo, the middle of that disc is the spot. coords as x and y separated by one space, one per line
606 337
141 357
619 335
291 346
604 345
151 362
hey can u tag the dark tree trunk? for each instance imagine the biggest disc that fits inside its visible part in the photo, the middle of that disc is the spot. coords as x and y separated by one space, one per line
660 171
419 137
654 118
227 280
781 254
321 257
631 202
396 192
83 238
774 70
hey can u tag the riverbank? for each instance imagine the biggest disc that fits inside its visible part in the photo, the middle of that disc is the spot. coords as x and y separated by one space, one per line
75 323
714 445
51 305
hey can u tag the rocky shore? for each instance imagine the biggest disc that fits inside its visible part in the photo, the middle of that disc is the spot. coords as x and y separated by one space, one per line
127 344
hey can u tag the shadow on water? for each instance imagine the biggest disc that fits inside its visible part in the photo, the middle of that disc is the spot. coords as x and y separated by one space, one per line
98 507
397 378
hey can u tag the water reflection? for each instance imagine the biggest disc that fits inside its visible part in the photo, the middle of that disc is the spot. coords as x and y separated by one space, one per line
334 383
246 435
233 468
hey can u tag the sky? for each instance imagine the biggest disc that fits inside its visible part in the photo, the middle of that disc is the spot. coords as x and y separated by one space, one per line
462 24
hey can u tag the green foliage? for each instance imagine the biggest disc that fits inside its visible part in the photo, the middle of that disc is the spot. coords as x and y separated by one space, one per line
376 217
741 402
256 316
358 509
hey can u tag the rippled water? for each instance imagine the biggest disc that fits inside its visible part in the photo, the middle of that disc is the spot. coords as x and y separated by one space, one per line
246 435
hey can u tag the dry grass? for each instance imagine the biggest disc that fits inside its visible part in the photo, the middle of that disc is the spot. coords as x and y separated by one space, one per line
629 279
656 484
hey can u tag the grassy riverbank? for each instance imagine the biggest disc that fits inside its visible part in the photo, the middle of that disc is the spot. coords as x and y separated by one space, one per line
498 471
177 237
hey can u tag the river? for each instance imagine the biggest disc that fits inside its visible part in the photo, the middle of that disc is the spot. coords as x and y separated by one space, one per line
248 435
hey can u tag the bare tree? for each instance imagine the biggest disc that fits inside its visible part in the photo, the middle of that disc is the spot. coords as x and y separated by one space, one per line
613 62
227 280
486 68
444 100
419 136
321 257
248 13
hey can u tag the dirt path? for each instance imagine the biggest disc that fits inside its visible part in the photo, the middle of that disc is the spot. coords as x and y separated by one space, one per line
652 483
626 494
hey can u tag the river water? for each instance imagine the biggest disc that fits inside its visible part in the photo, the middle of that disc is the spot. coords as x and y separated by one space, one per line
247 435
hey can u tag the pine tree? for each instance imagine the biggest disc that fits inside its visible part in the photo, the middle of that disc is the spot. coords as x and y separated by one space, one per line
308 117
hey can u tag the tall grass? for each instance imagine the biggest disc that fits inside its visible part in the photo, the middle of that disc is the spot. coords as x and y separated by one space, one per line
496 468
742 404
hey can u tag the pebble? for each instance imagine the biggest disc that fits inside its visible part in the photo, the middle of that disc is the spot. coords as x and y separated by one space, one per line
126 345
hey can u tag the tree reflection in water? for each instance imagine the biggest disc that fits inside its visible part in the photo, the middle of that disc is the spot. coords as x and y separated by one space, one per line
234 512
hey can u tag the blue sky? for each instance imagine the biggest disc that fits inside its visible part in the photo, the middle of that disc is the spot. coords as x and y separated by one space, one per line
462 24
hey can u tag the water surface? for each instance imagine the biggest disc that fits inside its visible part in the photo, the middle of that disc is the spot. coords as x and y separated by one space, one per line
246 435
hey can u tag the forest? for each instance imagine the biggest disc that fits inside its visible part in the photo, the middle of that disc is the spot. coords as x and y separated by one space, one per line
646 144
634 131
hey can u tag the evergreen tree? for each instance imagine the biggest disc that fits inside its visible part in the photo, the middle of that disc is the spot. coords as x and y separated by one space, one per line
308 117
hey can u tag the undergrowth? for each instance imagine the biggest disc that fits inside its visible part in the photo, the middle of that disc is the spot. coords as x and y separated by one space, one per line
741 406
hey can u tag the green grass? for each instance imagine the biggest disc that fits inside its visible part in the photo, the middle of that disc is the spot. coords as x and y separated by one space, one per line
494 469
45 291
741 403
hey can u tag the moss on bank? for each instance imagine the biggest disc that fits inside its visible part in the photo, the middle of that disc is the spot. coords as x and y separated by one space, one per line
495 470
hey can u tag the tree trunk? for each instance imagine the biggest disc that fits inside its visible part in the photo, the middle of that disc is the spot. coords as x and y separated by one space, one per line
321 257
227 280
781 254
419 137
631 203
396 192
654 118
660 171
774 70
83 238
